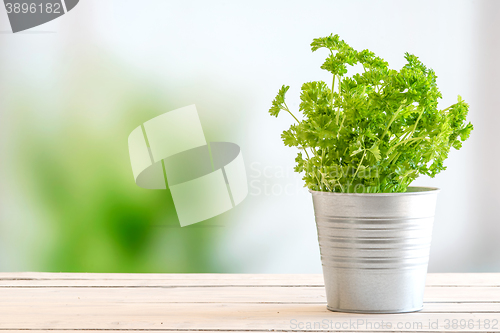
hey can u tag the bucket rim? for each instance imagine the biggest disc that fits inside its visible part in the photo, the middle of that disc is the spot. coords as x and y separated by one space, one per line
411 190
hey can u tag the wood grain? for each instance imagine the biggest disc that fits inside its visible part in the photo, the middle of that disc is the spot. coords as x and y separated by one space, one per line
48 302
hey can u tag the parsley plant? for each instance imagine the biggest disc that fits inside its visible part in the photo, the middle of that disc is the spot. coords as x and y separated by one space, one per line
373 132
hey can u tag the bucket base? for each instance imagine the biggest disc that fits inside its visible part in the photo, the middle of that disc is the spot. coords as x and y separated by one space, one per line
382 311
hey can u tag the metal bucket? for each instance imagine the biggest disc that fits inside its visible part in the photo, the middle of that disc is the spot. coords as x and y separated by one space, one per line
375 248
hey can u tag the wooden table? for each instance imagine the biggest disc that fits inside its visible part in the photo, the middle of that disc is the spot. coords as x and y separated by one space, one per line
228 303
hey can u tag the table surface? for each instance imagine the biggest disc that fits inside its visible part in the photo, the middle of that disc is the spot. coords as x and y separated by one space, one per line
229 303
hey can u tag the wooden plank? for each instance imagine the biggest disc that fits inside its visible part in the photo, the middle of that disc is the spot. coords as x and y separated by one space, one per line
227 303
463 279
97 279
180 282
222 294
158 280
221 317
114 330
151 276
147 283
181 309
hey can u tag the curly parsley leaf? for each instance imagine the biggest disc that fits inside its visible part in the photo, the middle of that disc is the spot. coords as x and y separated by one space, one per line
279 102
375 131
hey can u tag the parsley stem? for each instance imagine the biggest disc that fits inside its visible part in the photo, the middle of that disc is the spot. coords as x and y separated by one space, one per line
416 123
341 187
359 165
298 122
333 88
340 127
305 151
449 107
333 80
288 110
403 142
338 110
319 181
392 120
324 181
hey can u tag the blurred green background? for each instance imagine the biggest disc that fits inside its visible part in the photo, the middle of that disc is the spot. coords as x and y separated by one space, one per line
69 163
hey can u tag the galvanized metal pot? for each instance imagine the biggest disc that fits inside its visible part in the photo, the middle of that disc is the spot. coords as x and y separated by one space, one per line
375 248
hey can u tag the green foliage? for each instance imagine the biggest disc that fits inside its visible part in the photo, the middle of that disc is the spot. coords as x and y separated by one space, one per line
98 219
372 132
86 212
